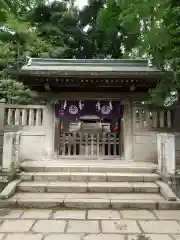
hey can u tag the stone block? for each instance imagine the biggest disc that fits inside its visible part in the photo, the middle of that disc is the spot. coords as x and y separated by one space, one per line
69 214
29 195
14 226
166 191
9 190
54 168
120 226
88 177
87 203
168 214
83 226
176 237
150 177
65 187
32 168
137 204
169 205
97 177
145 187
39 203
87 196
103 214
64 237
141 169
27 176
79 177
124 177
32 186
70 168
24 236
137 214
37 214
100 169
136 196
160 226
11 214
104 237
8 203
49 226
109 187
152 237
52 176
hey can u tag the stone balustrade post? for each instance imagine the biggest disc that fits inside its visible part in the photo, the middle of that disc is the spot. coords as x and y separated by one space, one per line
49 125
2 113
166 153
7 152
11 148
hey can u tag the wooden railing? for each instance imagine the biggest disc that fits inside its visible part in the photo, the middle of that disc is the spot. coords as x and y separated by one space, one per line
89 144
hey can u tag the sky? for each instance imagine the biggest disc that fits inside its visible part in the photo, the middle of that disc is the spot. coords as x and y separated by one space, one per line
81 3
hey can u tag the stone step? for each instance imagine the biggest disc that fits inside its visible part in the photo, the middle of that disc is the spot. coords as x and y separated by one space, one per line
89 166
89 177
90 201
93 187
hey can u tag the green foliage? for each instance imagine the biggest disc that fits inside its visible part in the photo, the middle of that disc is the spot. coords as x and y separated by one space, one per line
17 39
155 26
102 29
12 91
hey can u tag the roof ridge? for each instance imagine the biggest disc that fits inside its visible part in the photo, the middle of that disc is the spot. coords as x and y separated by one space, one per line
51 61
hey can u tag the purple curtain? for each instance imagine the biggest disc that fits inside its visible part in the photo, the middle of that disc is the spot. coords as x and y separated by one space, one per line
103 109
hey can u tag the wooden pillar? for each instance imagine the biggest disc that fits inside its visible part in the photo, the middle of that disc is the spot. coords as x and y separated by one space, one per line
128 130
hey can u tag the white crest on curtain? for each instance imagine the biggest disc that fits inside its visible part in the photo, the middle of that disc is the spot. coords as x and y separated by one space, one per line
110 105
98 106
81 105
65 105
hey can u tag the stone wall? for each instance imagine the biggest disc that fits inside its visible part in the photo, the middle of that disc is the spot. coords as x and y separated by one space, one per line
140 128
146 125
145 146
36 124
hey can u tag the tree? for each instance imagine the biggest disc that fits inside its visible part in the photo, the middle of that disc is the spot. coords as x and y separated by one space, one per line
102 29
12 91
113 35
151 30
56 23
79 34
17 39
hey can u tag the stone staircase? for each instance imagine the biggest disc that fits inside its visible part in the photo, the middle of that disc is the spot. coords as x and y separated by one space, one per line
92 184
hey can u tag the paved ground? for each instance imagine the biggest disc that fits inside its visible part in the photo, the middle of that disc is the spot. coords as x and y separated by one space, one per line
88 225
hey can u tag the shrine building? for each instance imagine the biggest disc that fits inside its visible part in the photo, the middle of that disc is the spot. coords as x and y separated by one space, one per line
95 108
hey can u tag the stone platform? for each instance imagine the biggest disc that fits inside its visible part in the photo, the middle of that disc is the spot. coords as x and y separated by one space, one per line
38 224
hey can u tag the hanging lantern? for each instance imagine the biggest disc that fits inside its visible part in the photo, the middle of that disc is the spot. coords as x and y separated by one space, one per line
116 126
61 125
